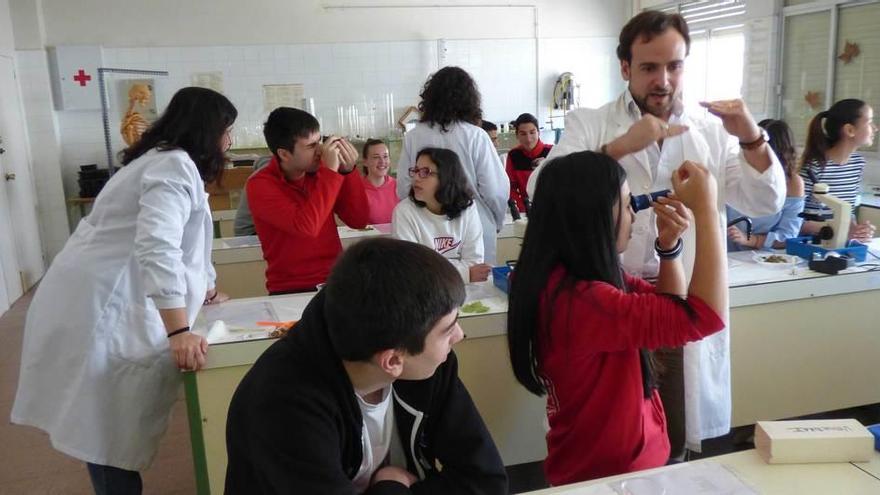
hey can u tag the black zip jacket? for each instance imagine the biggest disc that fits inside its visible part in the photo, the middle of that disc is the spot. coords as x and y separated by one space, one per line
294 425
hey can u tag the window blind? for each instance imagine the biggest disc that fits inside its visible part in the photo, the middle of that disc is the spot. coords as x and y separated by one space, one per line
701 12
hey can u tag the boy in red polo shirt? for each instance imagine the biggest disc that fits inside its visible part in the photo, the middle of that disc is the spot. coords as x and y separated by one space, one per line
294 197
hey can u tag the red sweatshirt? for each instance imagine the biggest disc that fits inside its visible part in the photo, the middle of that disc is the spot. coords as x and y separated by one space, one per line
294 221
601 424
520 164
381 200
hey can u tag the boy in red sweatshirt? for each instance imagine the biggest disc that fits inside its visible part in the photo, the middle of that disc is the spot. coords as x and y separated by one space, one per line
294 197
523 159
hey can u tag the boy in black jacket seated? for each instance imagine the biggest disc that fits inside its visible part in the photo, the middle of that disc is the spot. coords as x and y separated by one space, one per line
363 394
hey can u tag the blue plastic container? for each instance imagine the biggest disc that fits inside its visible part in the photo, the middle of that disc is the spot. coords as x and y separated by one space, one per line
501 278
803 247
875 430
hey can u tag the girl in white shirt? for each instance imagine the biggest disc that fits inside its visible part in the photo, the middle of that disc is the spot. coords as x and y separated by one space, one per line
439 213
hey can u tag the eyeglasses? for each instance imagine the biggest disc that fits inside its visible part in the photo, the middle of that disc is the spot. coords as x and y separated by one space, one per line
422 172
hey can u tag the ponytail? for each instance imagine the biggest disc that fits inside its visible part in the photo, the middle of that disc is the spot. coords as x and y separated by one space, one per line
824 130
818 140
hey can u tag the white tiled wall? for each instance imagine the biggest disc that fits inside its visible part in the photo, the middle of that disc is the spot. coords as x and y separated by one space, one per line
344 74
334 75
505 71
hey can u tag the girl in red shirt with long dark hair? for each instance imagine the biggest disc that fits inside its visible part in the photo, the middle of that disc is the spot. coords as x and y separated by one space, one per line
580 330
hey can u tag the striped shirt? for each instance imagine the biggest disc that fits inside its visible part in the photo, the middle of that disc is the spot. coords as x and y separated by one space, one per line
844 182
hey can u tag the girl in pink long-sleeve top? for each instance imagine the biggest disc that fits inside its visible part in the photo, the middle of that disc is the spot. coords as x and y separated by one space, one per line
380 187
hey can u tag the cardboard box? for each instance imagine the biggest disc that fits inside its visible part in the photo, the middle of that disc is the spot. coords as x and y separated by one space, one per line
819 440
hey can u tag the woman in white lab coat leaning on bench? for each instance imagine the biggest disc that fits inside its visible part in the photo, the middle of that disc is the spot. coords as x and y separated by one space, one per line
107 332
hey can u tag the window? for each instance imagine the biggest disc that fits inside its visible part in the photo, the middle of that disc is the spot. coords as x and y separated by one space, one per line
860 78
715 63
814 74
707 13
804 70
713 12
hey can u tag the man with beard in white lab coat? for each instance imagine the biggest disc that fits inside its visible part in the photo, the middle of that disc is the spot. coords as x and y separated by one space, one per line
648 130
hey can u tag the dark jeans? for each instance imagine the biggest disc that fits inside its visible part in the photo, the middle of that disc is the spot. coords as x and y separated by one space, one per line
671 387
109 480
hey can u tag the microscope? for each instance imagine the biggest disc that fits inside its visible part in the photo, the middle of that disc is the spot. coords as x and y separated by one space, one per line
828 251
835 231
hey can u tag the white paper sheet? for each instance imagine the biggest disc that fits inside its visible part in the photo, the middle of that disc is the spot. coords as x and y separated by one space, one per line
241 241
704 477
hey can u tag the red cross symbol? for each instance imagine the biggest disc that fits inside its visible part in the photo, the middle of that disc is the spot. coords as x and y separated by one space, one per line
81 77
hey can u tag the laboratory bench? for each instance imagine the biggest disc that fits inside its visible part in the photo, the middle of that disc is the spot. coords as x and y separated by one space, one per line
741 473
241 269
801 342
224 223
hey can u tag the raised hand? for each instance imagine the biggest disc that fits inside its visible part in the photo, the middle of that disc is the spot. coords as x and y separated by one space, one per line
649 129
348 155
735 117
673 219
330 153
695 186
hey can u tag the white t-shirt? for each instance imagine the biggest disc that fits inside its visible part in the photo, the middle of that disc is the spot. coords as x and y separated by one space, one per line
459 240
379 440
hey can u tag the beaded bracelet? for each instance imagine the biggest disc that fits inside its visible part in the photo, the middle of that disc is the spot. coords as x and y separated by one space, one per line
671 254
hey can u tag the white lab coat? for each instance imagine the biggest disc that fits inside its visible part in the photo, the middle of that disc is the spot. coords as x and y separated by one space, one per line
707 362
481 164
96 371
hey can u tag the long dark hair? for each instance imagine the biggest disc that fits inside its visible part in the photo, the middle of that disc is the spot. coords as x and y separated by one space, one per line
782 143
824 130
450 95
568 226
454 192
195 121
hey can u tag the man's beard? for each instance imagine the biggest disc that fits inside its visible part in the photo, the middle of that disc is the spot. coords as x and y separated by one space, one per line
659 112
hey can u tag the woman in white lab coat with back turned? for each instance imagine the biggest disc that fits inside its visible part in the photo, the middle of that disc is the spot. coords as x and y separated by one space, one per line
107 332
451 115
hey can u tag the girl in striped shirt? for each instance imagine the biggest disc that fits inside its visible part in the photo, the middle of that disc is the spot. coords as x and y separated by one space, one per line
830 157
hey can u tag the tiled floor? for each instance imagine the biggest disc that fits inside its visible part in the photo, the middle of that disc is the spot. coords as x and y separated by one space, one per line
29 464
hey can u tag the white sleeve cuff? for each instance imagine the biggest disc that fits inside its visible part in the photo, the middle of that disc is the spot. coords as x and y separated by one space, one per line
169 302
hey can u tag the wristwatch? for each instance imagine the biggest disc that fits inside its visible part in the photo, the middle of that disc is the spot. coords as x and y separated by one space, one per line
763 138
